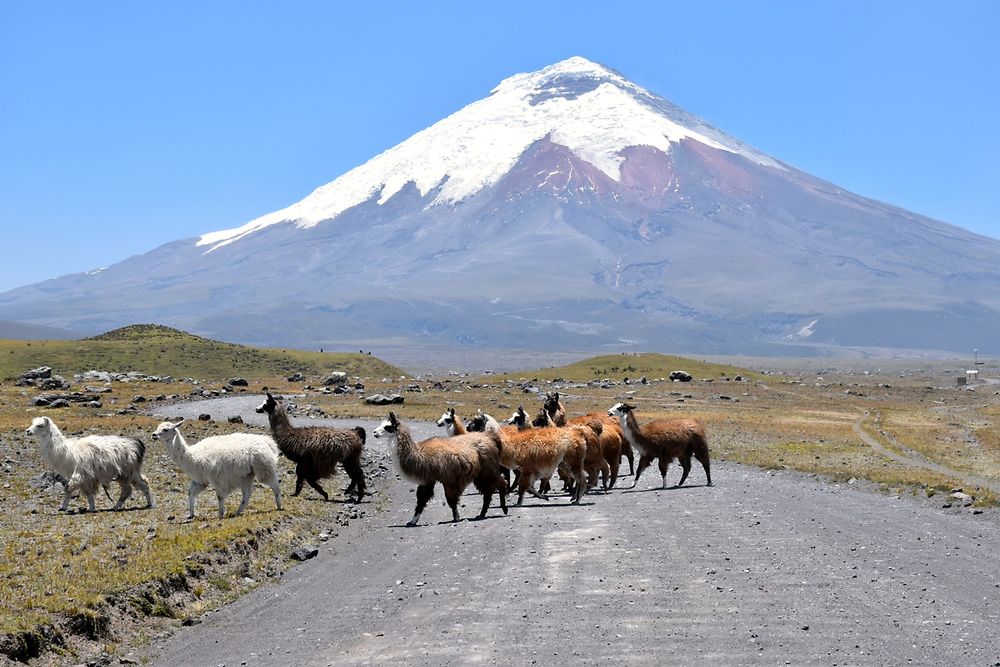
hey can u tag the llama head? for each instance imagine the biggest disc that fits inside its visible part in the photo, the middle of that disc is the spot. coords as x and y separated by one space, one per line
39 426
543 419
519 418
551 403
620 409
387 428
167 430
447 419
269 405
477 424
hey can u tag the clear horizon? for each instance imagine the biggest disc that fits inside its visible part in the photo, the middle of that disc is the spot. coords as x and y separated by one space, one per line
127 126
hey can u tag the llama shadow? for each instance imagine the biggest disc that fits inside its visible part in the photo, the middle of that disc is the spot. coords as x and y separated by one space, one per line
82 510
669 488
550 505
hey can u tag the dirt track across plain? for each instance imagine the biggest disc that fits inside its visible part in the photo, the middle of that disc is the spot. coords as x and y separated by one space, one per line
762 568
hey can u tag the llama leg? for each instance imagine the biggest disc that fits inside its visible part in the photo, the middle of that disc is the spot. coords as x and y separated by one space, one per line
605 474
452 495
91 501
580 476
613 465
485 485
424 493
664 463
502 488
528 482
300 478
69 488
276 488
353 468
143 485
686 467
644 462
703 459
314 483
246 486
193 491
627 451
126 493
222 504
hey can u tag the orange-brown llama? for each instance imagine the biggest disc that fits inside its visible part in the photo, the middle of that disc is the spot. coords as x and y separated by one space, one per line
455 462
537 452
611 440
666 440
594 464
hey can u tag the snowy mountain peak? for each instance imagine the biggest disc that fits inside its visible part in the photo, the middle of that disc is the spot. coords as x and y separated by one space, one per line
590 109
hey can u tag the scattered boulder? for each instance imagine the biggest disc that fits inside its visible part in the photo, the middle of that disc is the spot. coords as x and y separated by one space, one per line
58 403
204 417
238 382
93 376
304 552
296 377
961 497
680 376
236 420
50 383
39 373
335 378
379 399
46 480
97 390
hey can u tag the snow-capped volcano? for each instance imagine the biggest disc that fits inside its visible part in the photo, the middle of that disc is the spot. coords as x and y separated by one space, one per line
589 109
567 209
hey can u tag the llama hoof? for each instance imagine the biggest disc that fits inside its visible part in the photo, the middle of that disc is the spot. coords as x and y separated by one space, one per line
411 524
504 511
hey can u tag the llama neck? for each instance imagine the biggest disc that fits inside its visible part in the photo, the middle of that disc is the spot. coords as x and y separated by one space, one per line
177 448
457 428
492 425
630 427
278 421
53 443
404 447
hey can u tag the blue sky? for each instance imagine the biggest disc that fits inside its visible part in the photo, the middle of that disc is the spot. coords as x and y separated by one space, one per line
125 125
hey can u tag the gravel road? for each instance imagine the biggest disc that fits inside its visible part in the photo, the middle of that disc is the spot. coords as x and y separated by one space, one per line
763 568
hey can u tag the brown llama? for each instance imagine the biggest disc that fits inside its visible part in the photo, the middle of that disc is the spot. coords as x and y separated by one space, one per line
316 450
594 463
557 413
664 439
455 462
537 453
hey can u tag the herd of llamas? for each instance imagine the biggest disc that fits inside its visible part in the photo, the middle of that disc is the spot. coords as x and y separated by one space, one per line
495 457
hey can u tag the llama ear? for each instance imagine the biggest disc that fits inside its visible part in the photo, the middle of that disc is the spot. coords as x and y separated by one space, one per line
179 421
628 406
392 418
269 397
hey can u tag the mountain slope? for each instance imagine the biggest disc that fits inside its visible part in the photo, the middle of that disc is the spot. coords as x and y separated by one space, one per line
569 209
